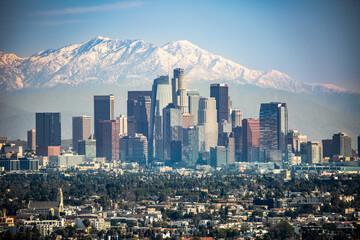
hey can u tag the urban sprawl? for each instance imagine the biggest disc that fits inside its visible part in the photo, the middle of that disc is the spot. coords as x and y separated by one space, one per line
178 166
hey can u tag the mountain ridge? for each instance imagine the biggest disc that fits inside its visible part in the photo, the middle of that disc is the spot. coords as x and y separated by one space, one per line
135 62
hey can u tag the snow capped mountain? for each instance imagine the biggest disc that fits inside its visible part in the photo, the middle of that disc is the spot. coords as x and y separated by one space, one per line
135 62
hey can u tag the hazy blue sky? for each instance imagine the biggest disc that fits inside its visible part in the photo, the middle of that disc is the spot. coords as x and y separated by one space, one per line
312 41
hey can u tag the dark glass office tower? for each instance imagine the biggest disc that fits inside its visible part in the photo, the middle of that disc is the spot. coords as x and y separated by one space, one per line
172 129
134 101
273 126
48 129
327 148
103 109
341 144
107 143
221 94
133 97
142 116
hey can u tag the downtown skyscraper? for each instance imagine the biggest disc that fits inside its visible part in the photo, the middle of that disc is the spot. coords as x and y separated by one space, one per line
48 134
273 128
142 115
107 142
172 131
81 126
194 96
103 109
250 138
179 94
207 120
341 144
221 94
161 97
138 112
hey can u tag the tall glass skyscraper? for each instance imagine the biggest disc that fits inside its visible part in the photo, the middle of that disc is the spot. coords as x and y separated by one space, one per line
48 134
221 93
135 103
48 129
172 129
161 97
103 109
273 127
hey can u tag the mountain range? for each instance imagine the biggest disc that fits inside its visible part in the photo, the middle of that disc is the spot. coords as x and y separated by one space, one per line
66 79
135 62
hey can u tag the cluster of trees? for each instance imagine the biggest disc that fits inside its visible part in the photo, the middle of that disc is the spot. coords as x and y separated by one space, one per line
17 189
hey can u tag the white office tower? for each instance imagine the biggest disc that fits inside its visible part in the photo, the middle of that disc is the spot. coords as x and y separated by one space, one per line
161 97
236 118
193 98
207 119
123 125
179 94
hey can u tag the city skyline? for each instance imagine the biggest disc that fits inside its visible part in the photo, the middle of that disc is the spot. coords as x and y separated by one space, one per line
266 139
179 119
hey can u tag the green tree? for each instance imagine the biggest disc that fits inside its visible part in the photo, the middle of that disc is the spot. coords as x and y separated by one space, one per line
282 230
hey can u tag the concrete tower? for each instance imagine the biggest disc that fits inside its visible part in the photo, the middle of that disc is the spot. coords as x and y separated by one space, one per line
81 126
236 118
207 119
179 94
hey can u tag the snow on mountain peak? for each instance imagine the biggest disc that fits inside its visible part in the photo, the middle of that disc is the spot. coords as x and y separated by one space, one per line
108 61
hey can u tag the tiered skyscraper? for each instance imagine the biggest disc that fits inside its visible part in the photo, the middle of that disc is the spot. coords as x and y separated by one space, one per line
179 95
103 109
